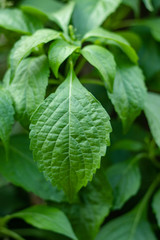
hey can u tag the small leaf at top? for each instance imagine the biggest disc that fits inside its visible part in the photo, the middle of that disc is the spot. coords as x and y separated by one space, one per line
152 112
59 51
28 86
104 61
69 134
148 4
113 38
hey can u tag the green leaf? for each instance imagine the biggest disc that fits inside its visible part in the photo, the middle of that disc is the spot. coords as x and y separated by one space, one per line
54 10
129 92
6 116
135 5
47 218
156 206
59 51
15 20
30 73
152 112
69 133
26 44
113 38
96 201
21 170
104 61
148 4
127 227
125 180
90 14
3 181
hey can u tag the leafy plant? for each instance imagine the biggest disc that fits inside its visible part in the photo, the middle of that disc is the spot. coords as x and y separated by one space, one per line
74 70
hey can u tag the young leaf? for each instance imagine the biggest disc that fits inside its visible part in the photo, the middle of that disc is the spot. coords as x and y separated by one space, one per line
148 4
30 73
59 51
129 92
156 206
131 226
89 14
26 44
15 20
47 218
152 112
54 10
21 170
96 201
113 38
6 116
104 61
69 133
125 180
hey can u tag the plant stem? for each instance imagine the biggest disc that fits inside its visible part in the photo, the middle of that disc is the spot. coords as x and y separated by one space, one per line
10 233
54 81
91 81
80 66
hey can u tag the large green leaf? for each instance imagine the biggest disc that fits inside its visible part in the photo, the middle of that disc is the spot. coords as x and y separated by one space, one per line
104 61
15 20
125 180
131 226
28 86
112 38
129 92
89 14
59 51
6 116
54 10
26 44
152 112
21 170
87 215
69 134
156 206
47 218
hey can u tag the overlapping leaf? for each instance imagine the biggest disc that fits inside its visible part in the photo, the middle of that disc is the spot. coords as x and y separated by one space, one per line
112 38
28 86
59 51
69 134
104 61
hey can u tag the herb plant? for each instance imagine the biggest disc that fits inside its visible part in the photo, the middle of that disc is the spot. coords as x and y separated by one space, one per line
76 74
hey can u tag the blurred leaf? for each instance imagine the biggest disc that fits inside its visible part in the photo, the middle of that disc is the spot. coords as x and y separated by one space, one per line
128 144
21 170
125 180
152 112
15 20
90 14
47 218
104 61
135 5
148 4
156 206
54 10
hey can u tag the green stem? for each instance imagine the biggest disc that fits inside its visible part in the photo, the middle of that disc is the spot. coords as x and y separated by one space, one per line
80 66
54 81
11 234
91 81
